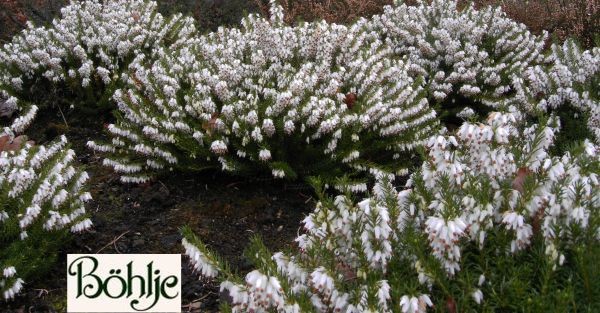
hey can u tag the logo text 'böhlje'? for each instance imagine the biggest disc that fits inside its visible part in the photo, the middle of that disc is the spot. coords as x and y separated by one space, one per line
124 283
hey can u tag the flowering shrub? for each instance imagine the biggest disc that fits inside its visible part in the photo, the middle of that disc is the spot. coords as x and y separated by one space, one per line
490 222
317 99
464 53
41 198
83 53
569 76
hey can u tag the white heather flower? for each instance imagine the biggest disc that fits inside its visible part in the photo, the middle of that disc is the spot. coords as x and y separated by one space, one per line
477 296
289 127
22 122
9 272
264 155
237 293
268 127
383 295
264 292
444 236
515 222
278 173
12 291
218 147
81 226
200 262
481 280
3 216
466 113
415 304
322 282
257 135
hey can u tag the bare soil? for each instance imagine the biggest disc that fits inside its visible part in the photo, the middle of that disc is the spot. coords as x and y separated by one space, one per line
224 211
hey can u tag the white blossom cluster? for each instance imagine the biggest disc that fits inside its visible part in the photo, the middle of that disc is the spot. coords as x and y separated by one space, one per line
239 98
90 45
200 261
492 180
503 158
260 293
568 76
41 193
474 54
16 284
264 94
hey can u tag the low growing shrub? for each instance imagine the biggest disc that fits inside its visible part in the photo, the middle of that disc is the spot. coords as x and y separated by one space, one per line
42 197
79 58
468 56
483 60
568 77
314 99
490 222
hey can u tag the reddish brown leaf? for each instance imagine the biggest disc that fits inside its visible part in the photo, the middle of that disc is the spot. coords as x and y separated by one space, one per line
211 124
7 145
450 305
519 180
350 100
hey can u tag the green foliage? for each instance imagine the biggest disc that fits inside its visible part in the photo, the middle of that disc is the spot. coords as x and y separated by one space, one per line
78 60
503 237
316 99
42 198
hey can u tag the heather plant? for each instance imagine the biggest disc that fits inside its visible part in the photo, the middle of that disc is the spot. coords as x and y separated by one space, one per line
316 99
468 57
79 58
491 222
42 197
568 77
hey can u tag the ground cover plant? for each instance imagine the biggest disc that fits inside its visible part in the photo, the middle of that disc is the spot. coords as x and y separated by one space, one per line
466 55
80 57
495 127
42 197
297 101
490 222
569 77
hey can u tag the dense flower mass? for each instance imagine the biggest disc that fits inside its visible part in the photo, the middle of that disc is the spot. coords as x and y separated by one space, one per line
569 76
287 99
290 100
493 219
86 49
475 54
42 197
470 219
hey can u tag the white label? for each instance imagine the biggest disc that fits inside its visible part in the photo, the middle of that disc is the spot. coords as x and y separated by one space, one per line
124 283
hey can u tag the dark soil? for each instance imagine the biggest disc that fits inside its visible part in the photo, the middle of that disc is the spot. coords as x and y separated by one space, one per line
224 211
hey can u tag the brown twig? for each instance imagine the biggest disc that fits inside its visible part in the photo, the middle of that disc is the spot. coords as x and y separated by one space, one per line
42 292
63 116
114 241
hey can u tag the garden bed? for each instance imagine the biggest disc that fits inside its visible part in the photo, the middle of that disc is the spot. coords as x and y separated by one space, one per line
430 157
225 211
